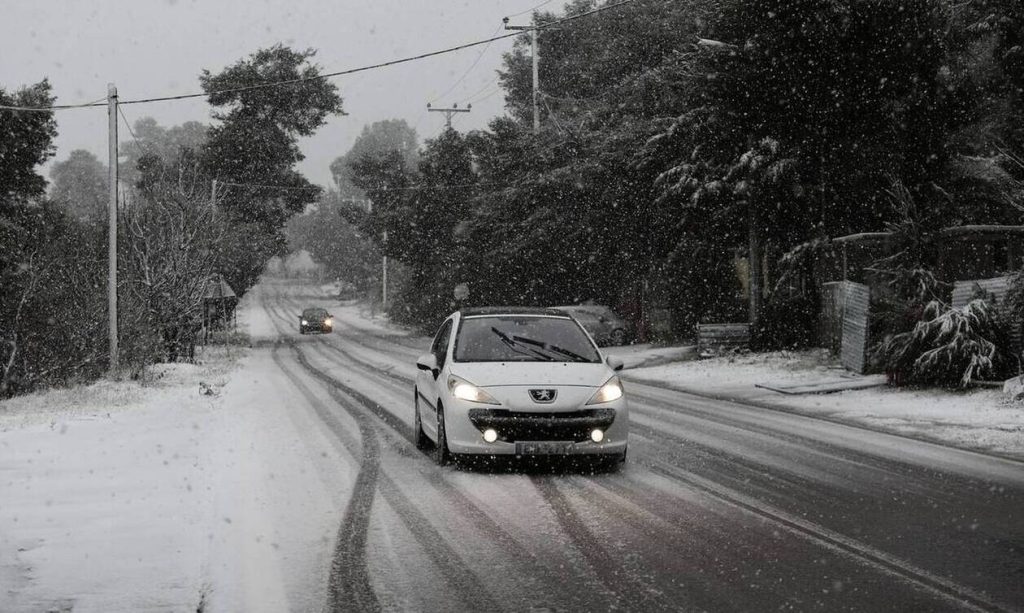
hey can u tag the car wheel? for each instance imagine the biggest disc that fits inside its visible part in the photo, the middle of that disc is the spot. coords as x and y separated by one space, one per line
610 463
418 436
302 330
441 454
618 337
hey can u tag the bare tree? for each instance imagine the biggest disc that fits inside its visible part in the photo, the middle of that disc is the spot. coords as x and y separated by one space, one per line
34 273
170 230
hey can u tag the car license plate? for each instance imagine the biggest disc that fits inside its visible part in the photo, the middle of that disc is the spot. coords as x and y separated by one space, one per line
543 447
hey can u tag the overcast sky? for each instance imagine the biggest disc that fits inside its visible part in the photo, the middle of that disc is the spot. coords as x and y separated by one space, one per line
158 47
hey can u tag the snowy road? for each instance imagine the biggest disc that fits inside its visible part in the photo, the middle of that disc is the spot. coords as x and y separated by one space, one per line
720 507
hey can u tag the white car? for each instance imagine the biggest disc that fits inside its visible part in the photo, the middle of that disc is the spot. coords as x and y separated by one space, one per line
518 382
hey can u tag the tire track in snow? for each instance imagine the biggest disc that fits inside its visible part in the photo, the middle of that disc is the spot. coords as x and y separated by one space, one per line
468 585
348 584
945 589
602 563
352 534
621 590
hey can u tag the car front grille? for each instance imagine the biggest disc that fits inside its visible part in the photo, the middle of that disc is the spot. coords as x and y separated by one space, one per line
513 426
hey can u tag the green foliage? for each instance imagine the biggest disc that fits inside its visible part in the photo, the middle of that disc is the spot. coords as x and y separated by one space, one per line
346 251
379 138
950 347
151 139
26 141
53 303
81 186
256 144
698 280
422 216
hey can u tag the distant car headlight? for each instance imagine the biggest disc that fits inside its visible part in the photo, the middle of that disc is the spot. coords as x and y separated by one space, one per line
328 322
464 390
305 323
612 390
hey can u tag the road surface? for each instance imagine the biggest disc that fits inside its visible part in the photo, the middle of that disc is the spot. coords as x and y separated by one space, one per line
720 507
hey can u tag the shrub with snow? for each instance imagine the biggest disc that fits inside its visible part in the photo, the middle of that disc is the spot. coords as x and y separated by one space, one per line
952 347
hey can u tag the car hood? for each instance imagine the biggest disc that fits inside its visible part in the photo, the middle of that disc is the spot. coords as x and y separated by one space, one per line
495 374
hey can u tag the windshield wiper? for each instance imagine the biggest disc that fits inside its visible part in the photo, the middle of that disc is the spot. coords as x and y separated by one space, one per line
548 347
515 345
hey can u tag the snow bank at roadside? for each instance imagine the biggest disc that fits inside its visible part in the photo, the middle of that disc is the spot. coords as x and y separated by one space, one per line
105 491
978 419
641 356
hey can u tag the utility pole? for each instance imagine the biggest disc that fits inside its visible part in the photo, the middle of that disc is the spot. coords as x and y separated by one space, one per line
449 112
536 70
213 197
112 218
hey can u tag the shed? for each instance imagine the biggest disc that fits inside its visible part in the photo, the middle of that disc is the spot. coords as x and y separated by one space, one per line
218 304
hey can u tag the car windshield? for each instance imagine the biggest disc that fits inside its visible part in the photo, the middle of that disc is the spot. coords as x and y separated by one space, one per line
517 338
314 314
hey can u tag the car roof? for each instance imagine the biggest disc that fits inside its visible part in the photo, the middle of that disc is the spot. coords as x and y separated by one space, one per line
511 310
315 310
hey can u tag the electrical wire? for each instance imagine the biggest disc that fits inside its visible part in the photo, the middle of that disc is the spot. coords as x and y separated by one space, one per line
339 73
56 107
471 97
468 70
127 124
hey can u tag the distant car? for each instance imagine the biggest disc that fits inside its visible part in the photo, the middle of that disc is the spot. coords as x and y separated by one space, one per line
315 320
601 322
518 382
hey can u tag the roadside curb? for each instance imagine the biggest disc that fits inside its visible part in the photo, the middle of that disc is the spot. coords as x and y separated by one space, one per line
782 408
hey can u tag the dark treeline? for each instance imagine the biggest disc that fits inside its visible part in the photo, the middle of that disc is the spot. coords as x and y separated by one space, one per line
175 230
682 140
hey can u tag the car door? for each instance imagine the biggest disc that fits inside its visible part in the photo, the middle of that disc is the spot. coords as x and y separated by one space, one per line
427 385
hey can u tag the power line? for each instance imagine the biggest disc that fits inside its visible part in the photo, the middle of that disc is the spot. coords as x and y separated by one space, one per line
471 97
468 70
56 107
339 73
127 124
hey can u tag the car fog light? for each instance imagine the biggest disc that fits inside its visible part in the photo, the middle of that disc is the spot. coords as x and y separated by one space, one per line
597 435
490 435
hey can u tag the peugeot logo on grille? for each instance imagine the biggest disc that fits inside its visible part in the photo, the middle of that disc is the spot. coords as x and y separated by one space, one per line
543 396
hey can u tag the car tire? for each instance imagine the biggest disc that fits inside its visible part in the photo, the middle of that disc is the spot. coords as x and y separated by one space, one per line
418 435
618 337
610 463
442 456
302 330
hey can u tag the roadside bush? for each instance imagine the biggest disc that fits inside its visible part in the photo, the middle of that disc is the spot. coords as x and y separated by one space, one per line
948 347
788 322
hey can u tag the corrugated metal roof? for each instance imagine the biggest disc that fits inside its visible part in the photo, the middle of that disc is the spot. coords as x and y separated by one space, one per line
218 289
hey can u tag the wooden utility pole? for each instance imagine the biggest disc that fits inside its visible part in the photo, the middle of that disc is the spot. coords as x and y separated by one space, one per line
536 70
449 112
112 218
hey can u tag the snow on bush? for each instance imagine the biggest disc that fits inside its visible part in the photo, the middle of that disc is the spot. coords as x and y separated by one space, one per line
952 347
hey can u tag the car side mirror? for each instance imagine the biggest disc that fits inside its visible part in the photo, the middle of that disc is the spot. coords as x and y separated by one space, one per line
615 363
428 362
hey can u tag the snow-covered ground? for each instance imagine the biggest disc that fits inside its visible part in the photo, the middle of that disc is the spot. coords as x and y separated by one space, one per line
980 419
122 496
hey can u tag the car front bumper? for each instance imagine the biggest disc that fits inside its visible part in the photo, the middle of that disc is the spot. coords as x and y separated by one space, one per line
466 422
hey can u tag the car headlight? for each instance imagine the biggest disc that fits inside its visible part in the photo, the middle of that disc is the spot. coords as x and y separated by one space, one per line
464 390
327 322
305 323
612 390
